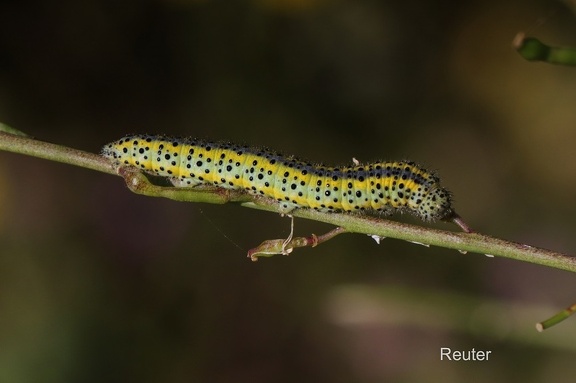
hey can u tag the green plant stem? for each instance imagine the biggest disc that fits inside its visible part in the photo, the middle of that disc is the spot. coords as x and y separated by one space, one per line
533 49
557 318
35 148
353 223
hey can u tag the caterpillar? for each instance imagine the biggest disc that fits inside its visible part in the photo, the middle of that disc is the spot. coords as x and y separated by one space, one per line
377 187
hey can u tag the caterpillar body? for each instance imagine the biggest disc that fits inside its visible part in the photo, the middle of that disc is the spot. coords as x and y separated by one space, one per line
380 186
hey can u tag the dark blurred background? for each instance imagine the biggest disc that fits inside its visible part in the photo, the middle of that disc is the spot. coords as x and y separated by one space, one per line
101 285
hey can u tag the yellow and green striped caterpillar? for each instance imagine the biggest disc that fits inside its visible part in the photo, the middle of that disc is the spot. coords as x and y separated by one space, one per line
381 186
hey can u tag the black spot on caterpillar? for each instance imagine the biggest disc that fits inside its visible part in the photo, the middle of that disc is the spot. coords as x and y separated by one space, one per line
381 186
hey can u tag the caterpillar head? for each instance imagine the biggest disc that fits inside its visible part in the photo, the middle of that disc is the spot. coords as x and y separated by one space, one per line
437 204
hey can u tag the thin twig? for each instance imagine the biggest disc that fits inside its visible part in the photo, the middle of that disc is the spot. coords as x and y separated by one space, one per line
533 49
377 226
556 318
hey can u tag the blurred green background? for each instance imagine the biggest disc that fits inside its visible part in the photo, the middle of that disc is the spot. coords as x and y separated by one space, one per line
101 285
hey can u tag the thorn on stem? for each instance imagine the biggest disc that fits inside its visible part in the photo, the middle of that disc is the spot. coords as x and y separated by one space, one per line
458 221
